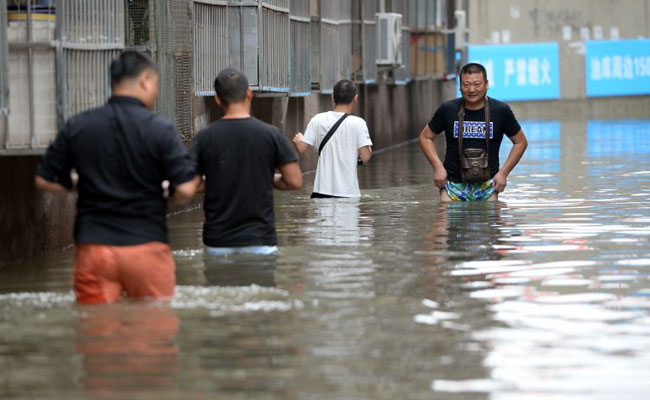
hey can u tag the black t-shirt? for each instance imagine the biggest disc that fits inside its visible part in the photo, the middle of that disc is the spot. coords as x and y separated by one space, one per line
238 158
122 153
502 121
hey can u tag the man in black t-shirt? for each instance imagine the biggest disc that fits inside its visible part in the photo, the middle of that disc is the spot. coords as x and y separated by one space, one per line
447 176
122 153
238 156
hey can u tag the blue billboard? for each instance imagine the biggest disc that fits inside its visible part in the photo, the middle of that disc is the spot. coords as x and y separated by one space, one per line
525 71
617 67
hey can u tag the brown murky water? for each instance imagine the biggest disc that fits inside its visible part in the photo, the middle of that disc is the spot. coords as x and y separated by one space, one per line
394 296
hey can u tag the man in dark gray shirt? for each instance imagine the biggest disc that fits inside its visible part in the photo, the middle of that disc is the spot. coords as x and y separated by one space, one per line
239 154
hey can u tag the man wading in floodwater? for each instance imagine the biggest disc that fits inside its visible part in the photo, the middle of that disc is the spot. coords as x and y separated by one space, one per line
238 154
343 139
122 153
473 174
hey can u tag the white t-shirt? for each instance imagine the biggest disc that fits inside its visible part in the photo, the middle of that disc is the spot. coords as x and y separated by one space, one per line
336 172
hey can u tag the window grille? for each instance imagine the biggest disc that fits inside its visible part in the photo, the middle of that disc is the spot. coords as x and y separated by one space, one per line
300 50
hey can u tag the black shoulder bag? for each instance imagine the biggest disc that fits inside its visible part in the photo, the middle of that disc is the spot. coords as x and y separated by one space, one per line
474 162
331 132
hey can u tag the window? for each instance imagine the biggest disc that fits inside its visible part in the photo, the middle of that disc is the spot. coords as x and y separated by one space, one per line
229 34
364 41
427 54
92 35
327 53
300 48
31 79
274 47
210 45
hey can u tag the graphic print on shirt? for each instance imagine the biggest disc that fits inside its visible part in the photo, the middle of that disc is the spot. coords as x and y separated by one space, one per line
474 130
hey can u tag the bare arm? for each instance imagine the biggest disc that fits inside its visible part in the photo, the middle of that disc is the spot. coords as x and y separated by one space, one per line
300 145
365 153
185 191
427 143
289 178
47 186
519 147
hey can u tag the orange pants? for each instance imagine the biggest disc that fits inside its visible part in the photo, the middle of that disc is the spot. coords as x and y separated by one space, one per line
103 273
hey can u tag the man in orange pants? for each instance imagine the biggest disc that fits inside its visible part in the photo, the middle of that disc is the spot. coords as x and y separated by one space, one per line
122 153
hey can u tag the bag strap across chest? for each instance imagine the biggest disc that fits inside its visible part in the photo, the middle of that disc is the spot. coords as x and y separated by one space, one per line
331 132
461 117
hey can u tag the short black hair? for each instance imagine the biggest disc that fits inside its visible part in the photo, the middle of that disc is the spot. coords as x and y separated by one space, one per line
231 86
130 64
473 68
344 91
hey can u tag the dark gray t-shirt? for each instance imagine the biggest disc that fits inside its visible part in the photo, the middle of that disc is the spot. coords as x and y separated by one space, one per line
502 121
238 158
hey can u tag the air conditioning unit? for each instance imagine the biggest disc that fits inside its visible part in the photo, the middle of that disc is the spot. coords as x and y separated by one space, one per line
389 39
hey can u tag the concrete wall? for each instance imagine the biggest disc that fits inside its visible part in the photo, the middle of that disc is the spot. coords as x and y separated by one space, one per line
394 113
569 23
595 108
32 222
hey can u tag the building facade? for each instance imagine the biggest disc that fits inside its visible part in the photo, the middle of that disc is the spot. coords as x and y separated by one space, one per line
54 56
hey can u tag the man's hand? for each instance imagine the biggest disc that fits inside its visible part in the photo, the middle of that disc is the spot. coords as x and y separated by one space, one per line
440 177
499 181
165 188
300 145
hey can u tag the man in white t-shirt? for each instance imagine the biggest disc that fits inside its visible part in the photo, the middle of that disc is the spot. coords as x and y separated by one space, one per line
336 172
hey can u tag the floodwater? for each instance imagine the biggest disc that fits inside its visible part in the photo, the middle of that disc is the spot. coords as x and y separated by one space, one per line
545 295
